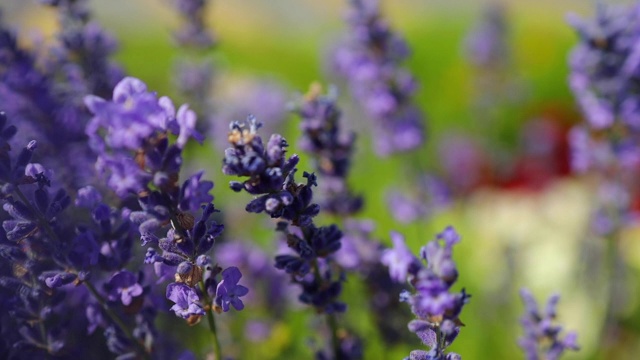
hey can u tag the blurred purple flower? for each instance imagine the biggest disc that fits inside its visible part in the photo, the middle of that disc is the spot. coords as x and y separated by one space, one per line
369 59
398 259
541 336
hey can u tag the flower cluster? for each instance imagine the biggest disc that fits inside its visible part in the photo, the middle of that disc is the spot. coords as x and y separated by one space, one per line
104 227
57 77
541 338
131 135
194 31
271 178
331 149
370 61
486 45
604 75
437 309
46 248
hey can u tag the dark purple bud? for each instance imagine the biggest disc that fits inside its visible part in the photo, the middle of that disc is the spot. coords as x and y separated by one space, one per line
236 186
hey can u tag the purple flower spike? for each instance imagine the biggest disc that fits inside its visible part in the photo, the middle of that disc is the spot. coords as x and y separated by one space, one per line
433 303
228 290
370 60
187 302
398 259
604 75
186 119
124 286
542 337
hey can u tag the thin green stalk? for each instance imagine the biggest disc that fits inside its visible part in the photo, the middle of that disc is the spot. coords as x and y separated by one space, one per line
333 328
331 319
616 276
212 322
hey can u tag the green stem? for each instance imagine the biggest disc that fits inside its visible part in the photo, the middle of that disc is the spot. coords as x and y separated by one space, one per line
331 319
615 291
212 321
333 328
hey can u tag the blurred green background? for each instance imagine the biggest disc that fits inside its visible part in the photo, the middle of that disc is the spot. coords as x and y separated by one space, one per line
538 239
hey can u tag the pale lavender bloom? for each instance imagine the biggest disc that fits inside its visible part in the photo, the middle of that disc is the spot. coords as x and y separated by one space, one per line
398 259
604 73
542 338
436 308
132 117
187 301
125 177
370 61
194 32
35 169
186 120
486 45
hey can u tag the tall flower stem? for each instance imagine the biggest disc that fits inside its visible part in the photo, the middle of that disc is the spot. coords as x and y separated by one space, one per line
333 329
211 321
332 322
615 292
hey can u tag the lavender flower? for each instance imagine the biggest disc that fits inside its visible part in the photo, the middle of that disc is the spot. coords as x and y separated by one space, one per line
193 32
187 301
369 60
32 94
486 46
437 309
331 149
193 72
604 68
399 259
55 247
123 286
541 338
269 286
131 135
271 178
228 291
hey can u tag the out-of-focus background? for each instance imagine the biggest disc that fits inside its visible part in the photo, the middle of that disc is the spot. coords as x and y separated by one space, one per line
521 225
